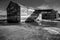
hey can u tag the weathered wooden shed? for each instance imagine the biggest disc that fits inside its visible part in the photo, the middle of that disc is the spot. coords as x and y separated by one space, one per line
47 14
13 12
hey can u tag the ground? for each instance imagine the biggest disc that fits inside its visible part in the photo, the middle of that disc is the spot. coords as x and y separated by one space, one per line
23 32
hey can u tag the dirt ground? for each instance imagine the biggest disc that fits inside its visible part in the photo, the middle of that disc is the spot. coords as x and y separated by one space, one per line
23 32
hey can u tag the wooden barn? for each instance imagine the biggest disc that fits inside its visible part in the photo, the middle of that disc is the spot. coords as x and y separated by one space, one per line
42 16
13 13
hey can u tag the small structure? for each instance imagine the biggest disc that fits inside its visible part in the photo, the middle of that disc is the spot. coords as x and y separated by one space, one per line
13 13
47 14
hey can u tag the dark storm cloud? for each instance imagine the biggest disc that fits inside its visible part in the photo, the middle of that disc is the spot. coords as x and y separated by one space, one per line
35 3
55 4
32 3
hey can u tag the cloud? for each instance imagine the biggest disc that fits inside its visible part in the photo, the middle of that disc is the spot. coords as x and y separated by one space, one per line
50 1
43 7
47 6
57 8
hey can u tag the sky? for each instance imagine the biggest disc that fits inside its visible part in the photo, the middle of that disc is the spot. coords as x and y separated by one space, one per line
53 4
